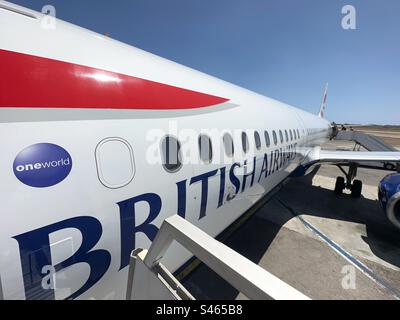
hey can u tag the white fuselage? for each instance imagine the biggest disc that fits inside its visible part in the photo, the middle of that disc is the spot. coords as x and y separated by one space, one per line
114 198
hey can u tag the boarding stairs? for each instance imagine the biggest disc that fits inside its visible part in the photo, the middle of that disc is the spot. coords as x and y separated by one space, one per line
149 279
371 143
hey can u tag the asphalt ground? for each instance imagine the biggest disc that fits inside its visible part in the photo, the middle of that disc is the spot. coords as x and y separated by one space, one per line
324 245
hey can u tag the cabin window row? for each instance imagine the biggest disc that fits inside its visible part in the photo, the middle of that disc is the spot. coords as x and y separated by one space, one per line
171 148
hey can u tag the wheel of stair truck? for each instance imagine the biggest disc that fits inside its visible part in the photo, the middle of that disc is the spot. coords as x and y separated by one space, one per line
356 189
389 166
340 185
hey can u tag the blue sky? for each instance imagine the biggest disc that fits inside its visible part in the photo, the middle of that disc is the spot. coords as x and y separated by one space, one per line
284 49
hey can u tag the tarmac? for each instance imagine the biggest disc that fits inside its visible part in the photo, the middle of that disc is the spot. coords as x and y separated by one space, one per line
324 245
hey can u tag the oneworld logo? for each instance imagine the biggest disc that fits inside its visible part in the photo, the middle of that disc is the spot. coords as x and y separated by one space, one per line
42 165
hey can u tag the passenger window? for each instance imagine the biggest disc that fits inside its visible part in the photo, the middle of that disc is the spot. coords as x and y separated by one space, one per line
275 137
171 154
291 135
281 136
228 144
267 141
286 136
205 148
298 134
245 142
257 140
115 163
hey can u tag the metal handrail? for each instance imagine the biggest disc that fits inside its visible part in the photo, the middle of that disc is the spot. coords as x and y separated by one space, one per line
246 276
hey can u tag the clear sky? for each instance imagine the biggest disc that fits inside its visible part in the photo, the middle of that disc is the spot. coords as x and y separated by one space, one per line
284 49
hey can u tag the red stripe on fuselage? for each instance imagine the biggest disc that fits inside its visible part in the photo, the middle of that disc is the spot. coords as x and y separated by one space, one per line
28 81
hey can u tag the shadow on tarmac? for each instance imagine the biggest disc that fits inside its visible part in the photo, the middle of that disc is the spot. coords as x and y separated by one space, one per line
255 236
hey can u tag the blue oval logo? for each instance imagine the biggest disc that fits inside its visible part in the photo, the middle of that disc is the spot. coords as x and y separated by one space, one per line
42 165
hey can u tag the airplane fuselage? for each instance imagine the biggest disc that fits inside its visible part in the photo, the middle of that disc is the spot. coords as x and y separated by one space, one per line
82 123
